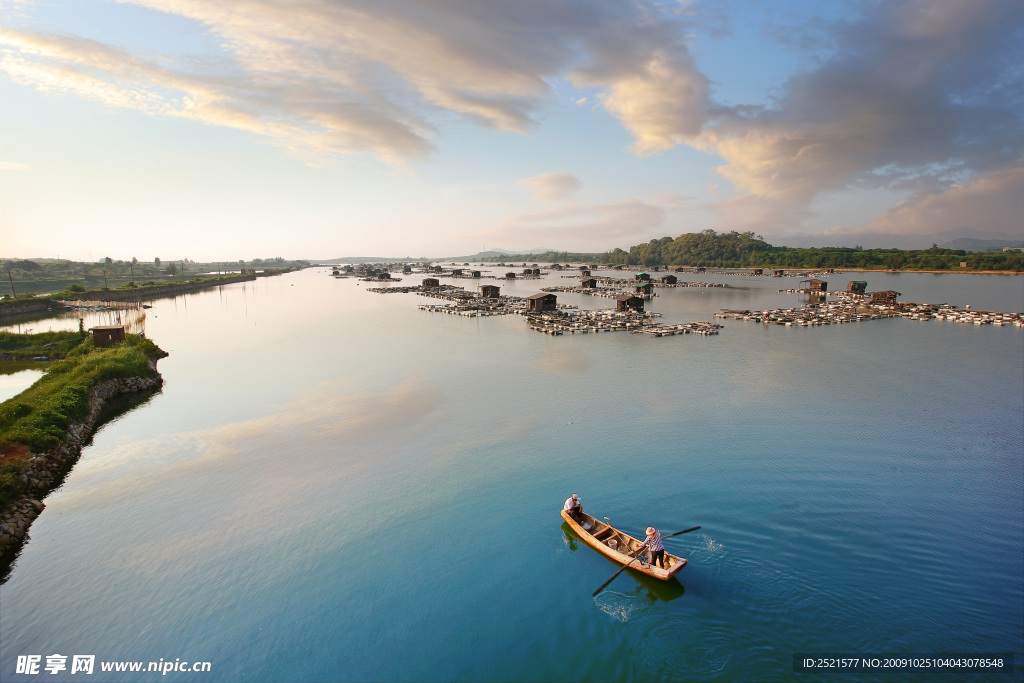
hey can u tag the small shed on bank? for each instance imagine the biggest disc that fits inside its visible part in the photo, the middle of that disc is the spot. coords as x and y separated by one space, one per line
856 287
490 291
816 285
107 335
886 296
629 302
539 303
588 283
669 279
431 282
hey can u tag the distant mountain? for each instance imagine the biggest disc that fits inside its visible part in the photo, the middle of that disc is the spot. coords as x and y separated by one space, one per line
371 259
969 239
399 259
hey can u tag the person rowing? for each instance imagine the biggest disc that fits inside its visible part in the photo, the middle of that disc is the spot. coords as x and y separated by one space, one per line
654 543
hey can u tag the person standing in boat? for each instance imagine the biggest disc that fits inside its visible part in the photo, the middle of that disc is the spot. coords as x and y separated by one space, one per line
574 508
654 543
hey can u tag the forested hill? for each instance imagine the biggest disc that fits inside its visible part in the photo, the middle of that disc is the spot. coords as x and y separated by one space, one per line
745 250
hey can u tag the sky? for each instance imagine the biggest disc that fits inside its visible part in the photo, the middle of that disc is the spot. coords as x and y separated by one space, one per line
327 128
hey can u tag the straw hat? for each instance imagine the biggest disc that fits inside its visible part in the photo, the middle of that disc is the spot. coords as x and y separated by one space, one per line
575 497
651 531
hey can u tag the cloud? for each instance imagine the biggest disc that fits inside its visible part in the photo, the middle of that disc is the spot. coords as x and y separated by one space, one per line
11 166
551 186
998 197
662 102
918 95
330 77
580 226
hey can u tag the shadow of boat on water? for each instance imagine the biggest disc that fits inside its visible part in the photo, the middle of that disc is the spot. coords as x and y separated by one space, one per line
653 589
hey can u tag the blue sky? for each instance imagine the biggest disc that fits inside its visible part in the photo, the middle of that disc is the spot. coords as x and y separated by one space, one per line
321 128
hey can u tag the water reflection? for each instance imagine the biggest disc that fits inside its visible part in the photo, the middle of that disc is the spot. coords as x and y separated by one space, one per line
132 316
17 376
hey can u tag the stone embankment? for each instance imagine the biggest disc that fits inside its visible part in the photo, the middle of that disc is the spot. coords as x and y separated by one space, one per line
46 471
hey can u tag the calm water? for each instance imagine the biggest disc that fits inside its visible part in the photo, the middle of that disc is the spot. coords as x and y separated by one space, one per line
336 486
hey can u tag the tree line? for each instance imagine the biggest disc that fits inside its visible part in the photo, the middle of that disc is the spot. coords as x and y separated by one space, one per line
747 250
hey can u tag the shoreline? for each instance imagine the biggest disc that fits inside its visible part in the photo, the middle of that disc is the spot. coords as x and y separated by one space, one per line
936 272
47 471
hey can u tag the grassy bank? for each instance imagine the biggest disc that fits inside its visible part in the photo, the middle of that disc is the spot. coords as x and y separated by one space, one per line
37 419
53 345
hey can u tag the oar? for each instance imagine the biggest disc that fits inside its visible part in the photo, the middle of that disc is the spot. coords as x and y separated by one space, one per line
605 584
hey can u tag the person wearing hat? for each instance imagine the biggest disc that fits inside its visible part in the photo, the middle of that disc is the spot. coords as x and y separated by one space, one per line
574 508
654 543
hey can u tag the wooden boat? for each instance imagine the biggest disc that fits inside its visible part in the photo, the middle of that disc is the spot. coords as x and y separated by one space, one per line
615 545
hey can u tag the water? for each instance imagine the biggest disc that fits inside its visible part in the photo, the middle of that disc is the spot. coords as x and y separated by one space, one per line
336 486
17 378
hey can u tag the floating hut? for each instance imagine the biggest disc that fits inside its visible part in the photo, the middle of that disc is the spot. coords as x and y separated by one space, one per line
629 302
816 285
856 287
540 303
778 273
490 291
585 272
510 276
669 279
107 335
643 288
886 296
642 277
431 282
758 271
588 283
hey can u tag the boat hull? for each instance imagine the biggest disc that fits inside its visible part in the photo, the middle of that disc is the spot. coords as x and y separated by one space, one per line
598 536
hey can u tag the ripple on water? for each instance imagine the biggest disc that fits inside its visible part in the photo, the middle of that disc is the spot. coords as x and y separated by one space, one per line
678 647
769 590
620 606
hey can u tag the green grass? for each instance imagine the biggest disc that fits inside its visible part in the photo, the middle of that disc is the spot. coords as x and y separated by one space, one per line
27 346
38 417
